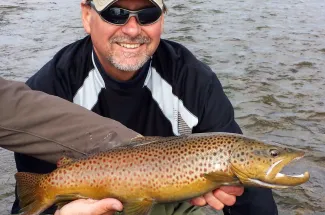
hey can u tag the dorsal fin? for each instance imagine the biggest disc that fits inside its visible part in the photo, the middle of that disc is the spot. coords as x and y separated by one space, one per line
64 161
141 140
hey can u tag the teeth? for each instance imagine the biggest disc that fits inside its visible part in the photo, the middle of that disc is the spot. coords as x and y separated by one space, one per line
130 46
294 176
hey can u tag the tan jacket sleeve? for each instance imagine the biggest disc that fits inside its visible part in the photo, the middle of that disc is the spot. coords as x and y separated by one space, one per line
48 127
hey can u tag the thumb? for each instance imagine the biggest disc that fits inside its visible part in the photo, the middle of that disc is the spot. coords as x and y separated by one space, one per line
106 205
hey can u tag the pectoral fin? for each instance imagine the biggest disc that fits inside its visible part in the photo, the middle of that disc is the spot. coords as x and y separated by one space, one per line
137 207
222 178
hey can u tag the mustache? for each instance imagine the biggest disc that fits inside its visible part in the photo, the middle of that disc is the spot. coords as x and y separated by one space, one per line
126 39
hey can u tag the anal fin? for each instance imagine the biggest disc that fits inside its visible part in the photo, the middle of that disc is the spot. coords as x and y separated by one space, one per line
70 197
60 204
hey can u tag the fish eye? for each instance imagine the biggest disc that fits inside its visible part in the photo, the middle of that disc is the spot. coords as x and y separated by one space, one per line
274 152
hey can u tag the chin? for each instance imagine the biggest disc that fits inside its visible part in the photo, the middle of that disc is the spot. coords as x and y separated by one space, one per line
129 65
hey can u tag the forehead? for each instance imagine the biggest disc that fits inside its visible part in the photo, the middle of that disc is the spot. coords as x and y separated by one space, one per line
133 4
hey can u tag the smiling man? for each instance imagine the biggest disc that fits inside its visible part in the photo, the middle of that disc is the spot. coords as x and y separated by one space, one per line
123 70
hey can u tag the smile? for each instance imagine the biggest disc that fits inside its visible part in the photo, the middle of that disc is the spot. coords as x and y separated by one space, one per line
129 46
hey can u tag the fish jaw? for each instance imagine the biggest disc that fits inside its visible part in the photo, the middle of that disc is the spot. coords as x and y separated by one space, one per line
275 177
272 177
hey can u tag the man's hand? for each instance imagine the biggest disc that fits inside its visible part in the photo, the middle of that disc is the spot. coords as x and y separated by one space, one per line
217 199
91 207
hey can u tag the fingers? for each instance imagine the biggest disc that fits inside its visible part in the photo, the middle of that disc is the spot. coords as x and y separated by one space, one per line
107 205
233 190
226 195
213 201
89 206
224 198
199 201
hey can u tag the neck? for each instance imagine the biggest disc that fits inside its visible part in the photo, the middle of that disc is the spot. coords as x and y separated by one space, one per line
116 73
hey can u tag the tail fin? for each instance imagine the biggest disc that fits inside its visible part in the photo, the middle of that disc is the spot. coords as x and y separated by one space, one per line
31 197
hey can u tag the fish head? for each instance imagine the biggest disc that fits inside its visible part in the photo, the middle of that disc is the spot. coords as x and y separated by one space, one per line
258 164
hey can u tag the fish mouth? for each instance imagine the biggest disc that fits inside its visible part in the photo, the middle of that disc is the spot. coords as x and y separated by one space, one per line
275 179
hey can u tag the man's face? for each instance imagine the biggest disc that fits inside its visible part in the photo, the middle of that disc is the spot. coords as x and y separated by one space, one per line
125 47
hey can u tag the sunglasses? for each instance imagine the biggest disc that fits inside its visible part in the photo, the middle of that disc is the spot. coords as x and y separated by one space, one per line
120 16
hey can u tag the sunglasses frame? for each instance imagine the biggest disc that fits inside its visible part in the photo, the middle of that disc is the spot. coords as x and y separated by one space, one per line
131 13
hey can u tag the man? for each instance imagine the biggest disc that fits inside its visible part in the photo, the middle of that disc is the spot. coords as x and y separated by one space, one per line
124 71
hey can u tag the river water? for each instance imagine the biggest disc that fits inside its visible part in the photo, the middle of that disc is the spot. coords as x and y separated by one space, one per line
269 56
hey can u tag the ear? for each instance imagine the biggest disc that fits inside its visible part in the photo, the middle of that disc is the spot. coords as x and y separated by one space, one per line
86 17
162 23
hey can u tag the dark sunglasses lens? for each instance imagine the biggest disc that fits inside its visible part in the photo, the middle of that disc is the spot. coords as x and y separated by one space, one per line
149 15
115 15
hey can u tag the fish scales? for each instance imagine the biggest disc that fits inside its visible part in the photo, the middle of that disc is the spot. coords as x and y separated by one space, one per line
151 169
161 170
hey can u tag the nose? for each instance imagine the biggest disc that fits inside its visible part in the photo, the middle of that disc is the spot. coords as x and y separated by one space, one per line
132 27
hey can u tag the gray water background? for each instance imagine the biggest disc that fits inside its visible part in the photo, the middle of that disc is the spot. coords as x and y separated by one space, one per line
269 55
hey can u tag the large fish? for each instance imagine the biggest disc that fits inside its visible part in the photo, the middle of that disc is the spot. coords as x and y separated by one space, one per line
160 170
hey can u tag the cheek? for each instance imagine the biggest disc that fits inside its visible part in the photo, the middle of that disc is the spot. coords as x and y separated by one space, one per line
101 31
154 33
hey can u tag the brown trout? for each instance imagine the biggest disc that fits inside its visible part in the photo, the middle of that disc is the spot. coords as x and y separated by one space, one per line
160 170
